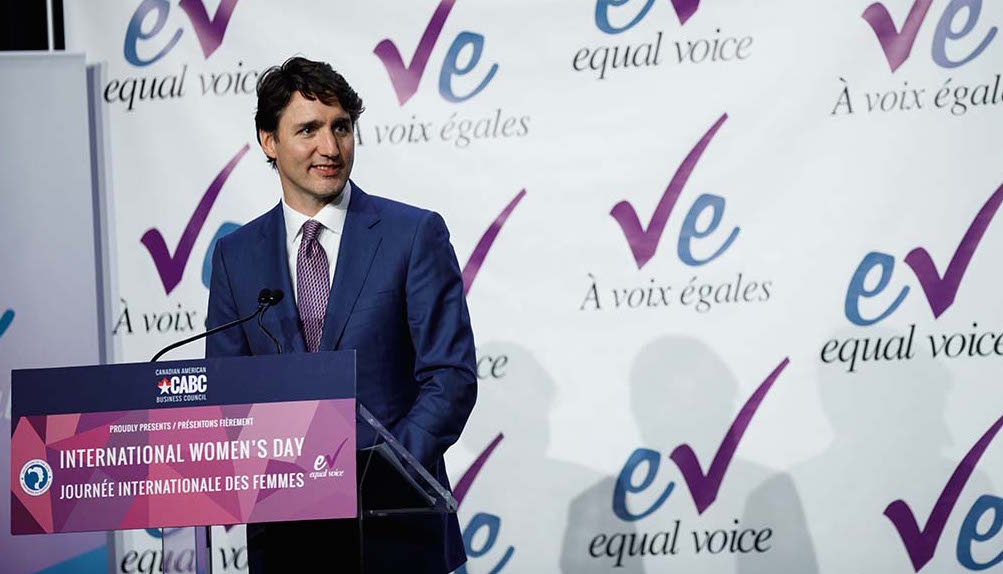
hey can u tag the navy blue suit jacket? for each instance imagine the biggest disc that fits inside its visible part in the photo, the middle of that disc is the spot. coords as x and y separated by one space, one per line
397 299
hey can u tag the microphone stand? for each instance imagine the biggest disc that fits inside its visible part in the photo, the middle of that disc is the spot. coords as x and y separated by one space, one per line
266 299
172 346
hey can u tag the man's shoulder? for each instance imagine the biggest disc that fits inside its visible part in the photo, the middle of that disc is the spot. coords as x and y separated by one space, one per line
398 211
250 230
404 220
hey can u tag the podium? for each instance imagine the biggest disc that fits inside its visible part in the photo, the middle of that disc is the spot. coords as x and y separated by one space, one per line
205 442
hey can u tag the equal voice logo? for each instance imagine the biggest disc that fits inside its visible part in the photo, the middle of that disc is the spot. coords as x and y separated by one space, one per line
701 238
148 40
324 464
466 70
618 18
208 31
637 480
870 300
960 35
973 541
169 263
35 477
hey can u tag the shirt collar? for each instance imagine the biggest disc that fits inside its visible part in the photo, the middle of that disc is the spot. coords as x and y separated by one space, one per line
331 216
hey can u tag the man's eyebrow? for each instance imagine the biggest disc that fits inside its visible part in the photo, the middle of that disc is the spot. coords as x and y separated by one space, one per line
308 124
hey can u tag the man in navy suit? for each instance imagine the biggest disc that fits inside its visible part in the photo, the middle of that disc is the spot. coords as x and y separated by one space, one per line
366 273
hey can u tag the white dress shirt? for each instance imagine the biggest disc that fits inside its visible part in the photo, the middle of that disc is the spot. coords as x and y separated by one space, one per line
332 220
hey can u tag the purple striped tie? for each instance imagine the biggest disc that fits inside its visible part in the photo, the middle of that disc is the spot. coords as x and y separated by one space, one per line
312 286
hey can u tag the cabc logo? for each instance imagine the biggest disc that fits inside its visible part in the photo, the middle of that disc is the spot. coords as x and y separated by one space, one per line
183 385
208 31
36 477
897 44
405 79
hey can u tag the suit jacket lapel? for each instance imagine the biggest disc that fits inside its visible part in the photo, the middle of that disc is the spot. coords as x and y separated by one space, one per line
272 248
359 241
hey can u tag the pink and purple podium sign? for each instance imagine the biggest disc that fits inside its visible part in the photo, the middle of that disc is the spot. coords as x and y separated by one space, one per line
183 443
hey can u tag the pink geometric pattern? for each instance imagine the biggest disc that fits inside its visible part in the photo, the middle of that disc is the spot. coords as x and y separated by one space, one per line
321 425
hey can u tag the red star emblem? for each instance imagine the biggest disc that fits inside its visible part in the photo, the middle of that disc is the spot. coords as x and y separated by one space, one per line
164 385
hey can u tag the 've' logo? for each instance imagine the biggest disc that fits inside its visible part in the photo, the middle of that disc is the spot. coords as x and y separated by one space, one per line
171 267
644 241
405 79
897 44
36 477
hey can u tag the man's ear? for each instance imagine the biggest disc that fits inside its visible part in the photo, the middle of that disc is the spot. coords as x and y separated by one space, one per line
267 142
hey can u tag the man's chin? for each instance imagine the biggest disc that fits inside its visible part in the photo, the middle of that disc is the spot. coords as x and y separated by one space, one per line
329 189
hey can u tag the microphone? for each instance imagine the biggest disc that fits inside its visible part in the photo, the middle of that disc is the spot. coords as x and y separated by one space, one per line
266 298
269 297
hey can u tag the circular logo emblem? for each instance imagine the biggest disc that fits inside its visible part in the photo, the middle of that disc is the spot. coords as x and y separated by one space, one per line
36 477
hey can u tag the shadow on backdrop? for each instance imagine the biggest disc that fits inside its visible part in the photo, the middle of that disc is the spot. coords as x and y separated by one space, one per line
681 392
890 435
527 490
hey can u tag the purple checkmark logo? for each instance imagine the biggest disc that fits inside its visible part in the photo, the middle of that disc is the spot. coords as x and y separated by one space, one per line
704 487
685 9
330 459
209 32
896 45
5 320
487 240
405 79
921 544
172 267
644 242
467 480
941 291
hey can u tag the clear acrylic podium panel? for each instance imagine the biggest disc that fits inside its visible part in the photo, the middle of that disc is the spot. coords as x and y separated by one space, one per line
180 545
227 549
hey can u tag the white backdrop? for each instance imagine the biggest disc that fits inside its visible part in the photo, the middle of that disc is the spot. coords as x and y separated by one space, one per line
49 315
695 212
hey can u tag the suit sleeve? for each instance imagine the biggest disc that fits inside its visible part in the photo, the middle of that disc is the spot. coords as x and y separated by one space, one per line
222 310
444 364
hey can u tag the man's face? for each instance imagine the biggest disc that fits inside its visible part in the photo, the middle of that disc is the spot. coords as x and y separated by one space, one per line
314 149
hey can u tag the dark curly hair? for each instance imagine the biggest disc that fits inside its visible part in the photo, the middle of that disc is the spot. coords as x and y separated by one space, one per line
314 80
